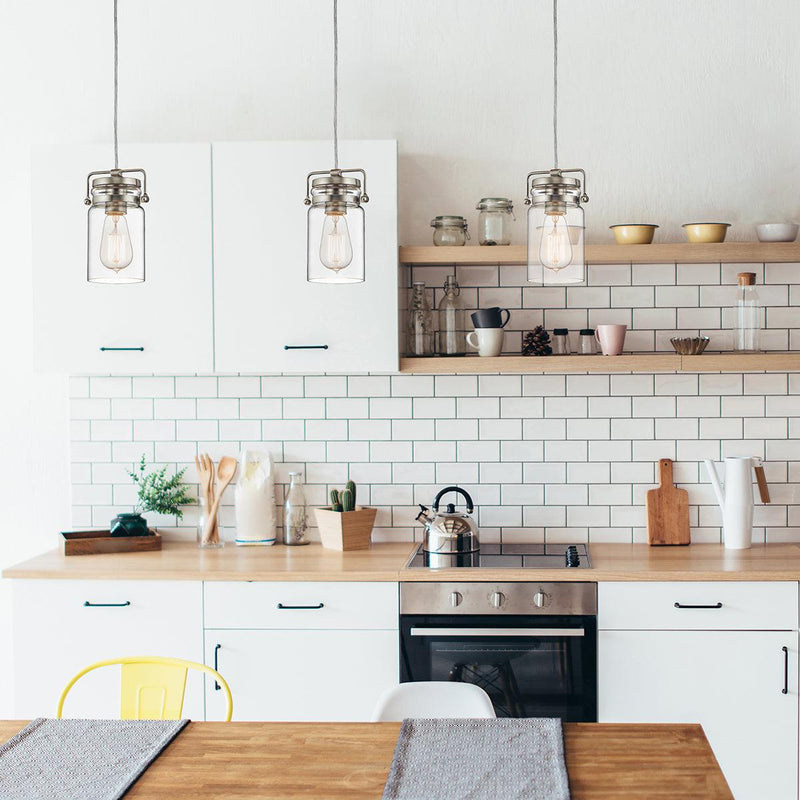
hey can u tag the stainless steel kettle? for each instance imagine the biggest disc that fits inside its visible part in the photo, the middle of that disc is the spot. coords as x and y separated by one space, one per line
449 531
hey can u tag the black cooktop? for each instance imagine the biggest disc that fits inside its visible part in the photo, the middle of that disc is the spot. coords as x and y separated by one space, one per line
508 556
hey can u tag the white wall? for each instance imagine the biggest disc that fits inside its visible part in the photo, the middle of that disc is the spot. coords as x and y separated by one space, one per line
677 109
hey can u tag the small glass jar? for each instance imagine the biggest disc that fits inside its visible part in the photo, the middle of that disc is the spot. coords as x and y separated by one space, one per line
207 539
587 344
449 231
295 512
452 334
560 342
494 221
419 329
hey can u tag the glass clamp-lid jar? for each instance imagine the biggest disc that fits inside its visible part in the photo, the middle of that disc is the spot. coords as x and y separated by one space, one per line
449 231
494 220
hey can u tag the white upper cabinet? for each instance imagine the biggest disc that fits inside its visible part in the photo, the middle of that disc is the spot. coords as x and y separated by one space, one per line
268 318
170 314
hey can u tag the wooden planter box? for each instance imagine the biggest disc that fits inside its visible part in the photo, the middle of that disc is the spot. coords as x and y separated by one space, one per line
345 530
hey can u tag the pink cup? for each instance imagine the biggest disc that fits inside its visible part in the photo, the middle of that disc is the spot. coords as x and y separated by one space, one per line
611 338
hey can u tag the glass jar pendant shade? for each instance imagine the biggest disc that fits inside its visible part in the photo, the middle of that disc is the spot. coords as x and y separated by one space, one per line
335 226
115 240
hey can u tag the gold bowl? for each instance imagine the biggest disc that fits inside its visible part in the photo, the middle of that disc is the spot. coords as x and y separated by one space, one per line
706 232
633 233
688 345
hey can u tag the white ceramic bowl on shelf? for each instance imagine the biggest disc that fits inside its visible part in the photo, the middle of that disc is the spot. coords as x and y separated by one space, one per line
777 231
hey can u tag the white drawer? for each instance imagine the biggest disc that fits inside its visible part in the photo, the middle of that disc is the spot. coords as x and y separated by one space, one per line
690 605
290 605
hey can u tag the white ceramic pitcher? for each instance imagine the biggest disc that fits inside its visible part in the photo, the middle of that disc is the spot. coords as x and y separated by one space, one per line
736 500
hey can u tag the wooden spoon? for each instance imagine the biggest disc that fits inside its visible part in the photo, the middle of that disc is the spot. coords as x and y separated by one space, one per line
225 472
205 474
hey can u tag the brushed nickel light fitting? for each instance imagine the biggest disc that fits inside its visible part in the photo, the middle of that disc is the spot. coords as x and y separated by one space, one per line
555 217
115 251
335 238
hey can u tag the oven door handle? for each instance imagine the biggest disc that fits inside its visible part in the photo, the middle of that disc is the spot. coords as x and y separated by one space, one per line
498 632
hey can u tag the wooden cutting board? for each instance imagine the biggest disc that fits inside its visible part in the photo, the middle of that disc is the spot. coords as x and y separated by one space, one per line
667 510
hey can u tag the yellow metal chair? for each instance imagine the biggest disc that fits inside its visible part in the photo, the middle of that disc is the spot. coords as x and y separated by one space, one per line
152 686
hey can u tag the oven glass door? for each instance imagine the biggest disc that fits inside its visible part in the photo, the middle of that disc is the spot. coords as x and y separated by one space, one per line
529 666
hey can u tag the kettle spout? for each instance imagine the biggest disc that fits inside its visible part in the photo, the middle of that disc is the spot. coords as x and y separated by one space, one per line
712 474
423 517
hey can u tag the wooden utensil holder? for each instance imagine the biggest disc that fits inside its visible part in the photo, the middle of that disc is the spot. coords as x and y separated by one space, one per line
345 530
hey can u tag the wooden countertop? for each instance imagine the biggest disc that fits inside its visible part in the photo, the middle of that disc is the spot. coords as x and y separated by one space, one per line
386 562
289 761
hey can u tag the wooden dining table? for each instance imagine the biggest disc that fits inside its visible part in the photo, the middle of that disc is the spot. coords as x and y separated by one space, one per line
327 761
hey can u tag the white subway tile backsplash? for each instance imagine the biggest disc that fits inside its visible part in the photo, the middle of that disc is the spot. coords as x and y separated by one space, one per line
696 274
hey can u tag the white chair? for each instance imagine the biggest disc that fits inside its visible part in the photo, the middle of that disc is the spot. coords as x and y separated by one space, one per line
433 699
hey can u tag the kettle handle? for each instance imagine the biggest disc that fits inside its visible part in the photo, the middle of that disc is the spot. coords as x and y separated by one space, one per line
447 489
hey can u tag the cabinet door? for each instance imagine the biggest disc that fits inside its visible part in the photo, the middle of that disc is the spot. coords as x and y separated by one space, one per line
263 302
731 682
170 314
56 634
304 675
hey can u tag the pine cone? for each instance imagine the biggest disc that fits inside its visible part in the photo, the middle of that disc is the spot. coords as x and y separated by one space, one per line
536 342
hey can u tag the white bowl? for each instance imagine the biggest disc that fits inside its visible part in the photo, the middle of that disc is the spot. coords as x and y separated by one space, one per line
777 232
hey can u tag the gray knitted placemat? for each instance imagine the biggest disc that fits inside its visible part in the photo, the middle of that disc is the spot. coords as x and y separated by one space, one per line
81 759
478 759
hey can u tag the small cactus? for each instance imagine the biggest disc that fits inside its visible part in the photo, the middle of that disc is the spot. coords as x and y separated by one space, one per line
336 503
351 487
348 503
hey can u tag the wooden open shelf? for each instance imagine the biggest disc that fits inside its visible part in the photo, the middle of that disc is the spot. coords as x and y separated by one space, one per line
678 253
638 362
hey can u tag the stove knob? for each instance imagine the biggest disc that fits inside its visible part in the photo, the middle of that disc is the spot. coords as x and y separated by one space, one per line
541 599
456 598
496 599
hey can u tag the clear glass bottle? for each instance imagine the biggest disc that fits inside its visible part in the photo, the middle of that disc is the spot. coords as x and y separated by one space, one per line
295 512
748 315
587 344
449 231
419 329
452 335
494 220
560 342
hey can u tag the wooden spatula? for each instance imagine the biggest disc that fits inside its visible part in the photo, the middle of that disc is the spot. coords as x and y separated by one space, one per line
667 510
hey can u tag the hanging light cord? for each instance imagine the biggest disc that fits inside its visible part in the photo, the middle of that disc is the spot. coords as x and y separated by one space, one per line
555 82
335 84
116 86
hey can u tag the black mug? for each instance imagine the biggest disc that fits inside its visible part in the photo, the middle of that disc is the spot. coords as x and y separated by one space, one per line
490 317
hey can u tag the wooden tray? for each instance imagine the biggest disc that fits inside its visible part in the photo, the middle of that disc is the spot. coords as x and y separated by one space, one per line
88 543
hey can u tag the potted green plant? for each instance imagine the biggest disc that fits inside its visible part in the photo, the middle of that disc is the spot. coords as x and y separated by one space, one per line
343 525
157 492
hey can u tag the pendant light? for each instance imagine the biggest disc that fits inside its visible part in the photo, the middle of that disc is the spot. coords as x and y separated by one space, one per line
335 238
555 217
116 217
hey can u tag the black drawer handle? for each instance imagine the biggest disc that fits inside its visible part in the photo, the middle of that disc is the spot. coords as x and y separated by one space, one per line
305 347
217 648
785 689
87 604
303 608
680 605
105 349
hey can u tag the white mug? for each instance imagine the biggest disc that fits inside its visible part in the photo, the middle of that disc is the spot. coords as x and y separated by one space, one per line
487 341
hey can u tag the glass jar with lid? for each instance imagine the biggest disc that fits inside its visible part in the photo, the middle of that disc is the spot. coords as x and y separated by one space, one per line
560 342
587 344
494 220
449 231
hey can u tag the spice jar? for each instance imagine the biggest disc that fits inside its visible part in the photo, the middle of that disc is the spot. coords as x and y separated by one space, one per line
560 342
494 221
587 344
449 231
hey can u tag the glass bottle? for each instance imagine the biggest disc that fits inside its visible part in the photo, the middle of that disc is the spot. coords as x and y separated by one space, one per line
420 322
295 512
494 220
449 231
560 342
452 334
587 345
748 314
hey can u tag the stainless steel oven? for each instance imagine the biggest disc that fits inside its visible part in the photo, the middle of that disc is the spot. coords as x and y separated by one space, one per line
531 646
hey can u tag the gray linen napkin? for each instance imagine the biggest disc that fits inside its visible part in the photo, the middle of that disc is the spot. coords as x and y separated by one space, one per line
81 759
479 759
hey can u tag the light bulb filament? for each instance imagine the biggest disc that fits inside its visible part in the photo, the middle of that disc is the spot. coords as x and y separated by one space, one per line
116 250
555 247
335 249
